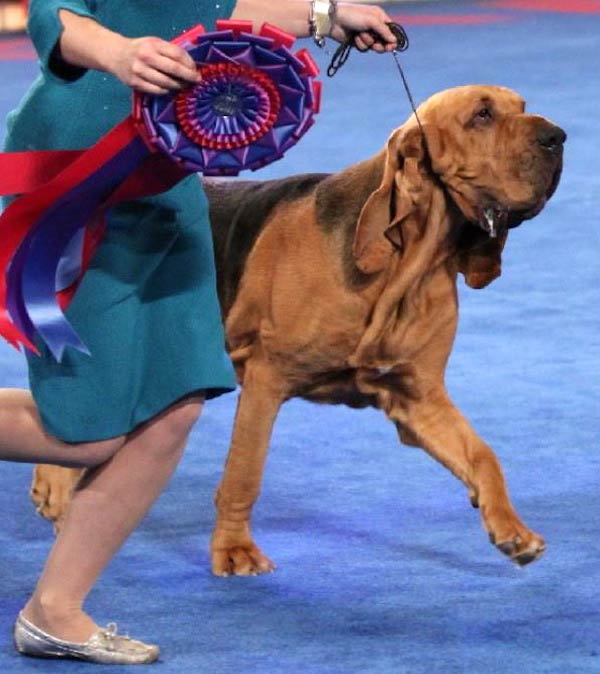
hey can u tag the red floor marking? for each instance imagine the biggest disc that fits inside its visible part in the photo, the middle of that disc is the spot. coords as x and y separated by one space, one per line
16 49
448 19
562 6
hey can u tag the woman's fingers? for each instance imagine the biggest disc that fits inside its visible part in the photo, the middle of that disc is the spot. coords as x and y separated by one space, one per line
364 40
180 74
148 88
155 66
383 30
367 25
177 62
160 79
175 52
360 44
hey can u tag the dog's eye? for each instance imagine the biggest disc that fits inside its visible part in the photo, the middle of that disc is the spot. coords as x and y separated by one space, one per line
483 115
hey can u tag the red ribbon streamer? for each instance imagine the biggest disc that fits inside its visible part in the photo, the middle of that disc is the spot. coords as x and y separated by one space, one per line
41 177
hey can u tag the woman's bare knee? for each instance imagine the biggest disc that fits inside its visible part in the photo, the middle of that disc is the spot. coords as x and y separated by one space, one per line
171 428
180 418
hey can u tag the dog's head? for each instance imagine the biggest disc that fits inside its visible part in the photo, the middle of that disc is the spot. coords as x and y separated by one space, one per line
496 164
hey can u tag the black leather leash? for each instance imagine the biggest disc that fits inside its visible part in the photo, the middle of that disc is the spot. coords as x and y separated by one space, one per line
343 52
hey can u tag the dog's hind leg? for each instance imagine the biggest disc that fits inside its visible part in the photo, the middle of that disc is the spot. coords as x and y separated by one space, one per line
440 429
232 549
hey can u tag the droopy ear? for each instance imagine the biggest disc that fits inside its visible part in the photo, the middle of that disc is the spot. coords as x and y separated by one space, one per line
481 263
379 227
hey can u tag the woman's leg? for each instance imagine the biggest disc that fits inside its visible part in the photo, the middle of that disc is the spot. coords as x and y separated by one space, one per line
107 506
23 438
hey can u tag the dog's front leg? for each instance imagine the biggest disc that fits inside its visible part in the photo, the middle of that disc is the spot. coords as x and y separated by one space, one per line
232 549
436 425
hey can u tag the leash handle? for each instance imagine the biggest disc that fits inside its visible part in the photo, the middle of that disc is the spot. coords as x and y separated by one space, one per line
343 51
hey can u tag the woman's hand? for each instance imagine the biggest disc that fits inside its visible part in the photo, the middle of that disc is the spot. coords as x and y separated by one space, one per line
147 64
359 20
152 65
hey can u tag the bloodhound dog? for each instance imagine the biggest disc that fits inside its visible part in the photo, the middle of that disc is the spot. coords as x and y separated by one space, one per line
342 289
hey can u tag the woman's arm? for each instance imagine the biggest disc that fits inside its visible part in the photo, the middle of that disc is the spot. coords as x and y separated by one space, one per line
293 16
156 66
147 64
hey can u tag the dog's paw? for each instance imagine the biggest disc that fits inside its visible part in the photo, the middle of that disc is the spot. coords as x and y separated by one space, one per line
51 491
516 541
521 551
246 560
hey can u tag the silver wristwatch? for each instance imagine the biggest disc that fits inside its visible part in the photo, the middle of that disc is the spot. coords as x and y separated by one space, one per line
322 13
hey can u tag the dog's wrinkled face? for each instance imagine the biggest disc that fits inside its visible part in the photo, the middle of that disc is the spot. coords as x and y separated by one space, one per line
499 164
495 163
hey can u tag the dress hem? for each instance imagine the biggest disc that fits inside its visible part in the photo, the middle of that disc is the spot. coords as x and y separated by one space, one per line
210 392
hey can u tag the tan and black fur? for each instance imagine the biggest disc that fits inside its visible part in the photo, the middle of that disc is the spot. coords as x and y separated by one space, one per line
342 289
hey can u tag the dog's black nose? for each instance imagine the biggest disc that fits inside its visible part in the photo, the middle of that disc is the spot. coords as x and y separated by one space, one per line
552 138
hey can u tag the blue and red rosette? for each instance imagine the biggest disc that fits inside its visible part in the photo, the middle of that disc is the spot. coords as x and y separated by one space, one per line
256 99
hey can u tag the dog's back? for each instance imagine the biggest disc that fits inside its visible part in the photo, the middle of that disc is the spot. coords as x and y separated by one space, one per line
238 212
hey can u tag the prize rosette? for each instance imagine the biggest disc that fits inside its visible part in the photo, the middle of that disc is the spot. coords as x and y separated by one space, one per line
255 100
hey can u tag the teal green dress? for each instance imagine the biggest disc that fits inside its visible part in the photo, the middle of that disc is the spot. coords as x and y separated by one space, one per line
147 308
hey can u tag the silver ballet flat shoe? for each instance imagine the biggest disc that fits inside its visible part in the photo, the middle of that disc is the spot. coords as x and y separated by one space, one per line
104 647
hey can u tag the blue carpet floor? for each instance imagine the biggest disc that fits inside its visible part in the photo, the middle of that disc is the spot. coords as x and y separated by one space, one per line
383 565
